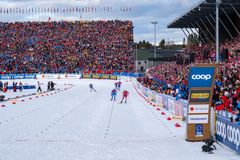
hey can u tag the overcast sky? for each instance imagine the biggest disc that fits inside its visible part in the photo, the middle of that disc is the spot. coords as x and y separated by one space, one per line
142 13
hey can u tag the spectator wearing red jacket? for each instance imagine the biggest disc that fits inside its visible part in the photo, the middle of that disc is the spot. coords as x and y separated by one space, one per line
226 103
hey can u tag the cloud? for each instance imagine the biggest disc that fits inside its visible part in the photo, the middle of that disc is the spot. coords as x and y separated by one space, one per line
143 12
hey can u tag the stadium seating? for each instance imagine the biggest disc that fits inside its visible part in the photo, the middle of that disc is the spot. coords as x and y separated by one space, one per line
66 47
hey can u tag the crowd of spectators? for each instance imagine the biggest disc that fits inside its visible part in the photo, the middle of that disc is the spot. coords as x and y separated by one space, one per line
171 78
66 47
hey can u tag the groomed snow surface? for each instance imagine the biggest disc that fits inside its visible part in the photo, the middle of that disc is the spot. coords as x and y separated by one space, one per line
75 124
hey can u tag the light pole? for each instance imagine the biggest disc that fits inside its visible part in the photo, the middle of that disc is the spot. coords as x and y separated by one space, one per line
217 30
155 49
136 58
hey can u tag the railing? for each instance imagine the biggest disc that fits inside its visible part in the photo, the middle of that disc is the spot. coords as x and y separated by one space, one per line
115 75
176 107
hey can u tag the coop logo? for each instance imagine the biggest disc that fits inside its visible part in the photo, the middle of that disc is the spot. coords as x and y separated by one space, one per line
29 76
229 134
5 77
18 76
201 77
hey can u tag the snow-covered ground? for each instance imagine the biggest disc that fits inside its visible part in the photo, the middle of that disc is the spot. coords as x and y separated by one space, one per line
76 124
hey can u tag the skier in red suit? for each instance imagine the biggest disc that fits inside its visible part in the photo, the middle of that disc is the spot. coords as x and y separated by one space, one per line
125 95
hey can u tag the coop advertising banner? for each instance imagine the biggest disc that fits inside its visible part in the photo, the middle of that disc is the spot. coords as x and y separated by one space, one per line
17 76
228 133
201 77
5 77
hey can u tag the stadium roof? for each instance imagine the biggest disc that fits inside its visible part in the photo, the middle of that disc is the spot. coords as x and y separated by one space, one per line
199 12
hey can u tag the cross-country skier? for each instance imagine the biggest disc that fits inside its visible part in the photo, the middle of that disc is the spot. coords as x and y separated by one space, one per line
119 85
52 85
14 86
39 87
1 86
48 86
113 94
91 87
116 85
125 95
5 87
20 86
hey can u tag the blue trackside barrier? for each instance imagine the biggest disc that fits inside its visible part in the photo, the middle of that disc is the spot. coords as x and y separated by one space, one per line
126 74
17 76
227 133
24 87
105 76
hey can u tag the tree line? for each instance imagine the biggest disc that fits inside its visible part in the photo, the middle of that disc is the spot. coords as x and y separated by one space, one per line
192 40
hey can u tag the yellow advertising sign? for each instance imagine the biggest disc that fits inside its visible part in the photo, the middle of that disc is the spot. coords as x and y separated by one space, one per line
200 95
95 76
113 77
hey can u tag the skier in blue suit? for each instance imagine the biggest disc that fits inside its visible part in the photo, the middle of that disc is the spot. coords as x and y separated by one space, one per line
113 94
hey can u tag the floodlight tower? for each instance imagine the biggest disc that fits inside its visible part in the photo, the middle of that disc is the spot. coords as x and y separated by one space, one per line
155 49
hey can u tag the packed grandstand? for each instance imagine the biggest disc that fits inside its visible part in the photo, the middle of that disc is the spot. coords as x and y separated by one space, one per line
66 47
